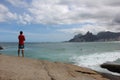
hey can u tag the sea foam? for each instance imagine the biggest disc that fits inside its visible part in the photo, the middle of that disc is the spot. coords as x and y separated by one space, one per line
95 59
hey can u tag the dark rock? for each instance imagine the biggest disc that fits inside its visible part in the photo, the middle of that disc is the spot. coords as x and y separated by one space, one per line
110 76
102 36
114 67
1 48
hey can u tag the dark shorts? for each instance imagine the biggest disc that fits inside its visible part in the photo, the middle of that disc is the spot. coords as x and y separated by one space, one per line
21 46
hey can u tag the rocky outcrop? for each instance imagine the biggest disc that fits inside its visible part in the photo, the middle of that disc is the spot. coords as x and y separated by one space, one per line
1 48
18 68
111 67
102 36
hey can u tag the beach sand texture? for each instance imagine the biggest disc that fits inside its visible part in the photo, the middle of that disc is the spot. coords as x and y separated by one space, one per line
18 68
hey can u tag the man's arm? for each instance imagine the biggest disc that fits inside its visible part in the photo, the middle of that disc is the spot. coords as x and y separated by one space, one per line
24 38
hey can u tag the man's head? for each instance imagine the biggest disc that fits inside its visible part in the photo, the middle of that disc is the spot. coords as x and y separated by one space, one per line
21 32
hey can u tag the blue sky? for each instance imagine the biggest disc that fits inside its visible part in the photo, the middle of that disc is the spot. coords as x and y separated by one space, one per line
56 20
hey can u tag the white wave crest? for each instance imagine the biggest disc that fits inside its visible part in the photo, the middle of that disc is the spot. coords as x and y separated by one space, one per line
95 59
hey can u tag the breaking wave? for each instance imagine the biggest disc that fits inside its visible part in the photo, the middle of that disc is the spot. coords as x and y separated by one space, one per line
94 61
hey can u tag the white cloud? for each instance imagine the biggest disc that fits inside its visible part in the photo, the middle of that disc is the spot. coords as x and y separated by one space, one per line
68 11
92 28
48 12
104 13
5 14
71 11
24 19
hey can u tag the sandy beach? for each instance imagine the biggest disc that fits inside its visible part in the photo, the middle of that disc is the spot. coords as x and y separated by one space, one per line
18 68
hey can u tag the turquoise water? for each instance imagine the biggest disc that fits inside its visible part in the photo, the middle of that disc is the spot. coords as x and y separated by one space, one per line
88 54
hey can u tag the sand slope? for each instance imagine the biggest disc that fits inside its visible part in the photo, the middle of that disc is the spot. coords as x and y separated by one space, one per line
18 68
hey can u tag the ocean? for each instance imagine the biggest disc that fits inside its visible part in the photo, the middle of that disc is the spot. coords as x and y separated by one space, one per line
85 54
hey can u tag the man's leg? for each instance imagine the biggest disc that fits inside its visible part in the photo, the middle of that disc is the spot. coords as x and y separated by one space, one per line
22 52
18 52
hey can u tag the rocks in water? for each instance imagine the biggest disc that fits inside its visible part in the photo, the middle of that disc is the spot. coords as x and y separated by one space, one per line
114 67
1 48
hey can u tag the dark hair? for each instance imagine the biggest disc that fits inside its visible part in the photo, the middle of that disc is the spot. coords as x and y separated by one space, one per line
21 32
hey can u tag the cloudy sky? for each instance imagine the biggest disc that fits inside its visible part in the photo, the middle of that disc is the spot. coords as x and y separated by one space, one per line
56 20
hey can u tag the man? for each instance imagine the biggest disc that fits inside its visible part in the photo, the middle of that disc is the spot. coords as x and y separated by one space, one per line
21 39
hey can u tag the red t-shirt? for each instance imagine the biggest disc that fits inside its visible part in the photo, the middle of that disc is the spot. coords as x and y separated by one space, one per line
21 39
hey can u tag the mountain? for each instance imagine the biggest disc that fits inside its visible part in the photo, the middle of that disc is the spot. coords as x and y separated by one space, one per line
101 36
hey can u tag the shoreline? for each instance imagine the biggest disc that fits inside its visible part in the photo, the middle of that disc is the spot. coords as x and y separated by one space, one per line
30 69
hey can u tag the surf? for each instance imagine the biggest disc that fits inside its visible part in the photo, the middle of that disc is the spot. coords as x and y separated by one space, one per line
94 60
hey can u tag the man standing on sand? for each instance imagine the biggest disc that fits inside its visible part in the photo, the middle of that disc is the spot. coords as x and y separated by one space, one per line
21 39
